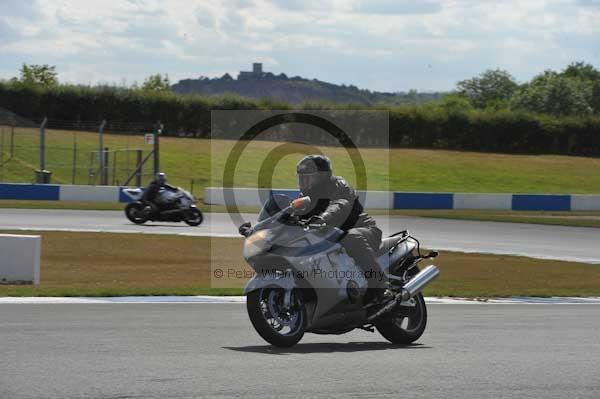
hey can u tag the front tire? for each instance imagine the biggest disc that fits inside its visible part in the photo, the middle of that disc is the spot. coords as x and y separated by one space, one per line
194 217
276 325
135 213
405 324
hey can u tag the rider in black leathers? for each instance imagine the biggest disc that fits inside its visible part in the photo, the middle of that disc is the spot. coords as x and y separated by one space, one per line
334 203
153 188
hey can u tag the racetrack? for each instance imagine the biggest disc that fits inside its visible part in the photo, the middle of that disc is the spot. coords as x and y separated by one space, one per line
210 350
578 244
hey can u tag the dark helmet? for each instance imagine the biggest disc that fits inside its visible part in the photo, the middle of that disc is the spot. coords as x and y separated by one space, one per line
313 171
161 177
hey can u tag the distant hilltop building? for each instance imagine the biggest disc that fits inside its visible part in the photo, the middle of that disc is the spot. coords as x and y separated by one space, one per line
257 72
260 84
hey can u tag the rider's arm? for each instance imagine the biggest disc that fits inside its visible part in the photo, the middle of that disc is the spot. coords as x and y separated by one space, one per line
340 205
169 187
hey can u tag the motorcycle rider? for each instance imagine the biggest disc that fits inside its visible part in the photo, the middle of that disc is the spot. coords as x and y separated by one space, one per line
334 203
150 193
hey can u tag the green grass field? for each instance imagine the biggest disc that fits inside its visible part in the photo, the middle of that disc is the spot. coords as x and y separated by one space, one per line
185 159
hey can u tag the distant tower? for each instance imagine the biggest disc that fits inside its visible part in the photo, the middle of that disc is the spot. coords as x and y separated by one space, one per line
257 72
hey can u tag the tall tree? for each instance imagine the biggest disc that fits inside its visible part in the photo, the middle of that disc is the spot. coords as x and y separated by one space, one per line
492 86
157 82
553 93
43 75
595 102
582 71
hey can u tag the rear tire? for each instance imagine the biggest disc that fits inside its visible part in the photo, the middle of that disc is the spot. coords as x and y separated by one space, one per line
399 329
258 311
196 219
134 212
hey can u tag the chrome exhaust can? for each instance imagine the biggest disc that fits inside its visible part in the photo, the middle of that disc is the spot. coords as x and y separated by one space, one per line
420 281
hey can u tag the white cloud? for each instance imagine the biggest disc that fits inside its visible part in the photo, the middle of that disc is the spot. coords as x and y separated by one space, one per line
384 45
387 7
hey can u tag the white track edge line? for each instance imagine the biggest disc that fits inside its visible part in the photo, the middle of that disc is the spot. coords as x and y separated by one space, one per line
242 299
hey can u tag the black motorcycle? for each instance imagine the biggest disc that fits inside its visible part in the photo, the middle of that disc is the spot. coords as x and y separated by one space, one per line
171 206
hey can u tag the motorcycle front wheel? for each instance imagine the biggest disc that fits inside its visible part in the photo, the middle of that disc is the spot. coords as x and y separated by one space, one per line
277 325
135 213
194 217
406 323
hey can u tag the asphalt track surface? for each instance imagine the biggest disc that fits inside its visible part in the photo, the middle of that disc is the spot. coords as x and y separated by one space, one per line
578 244
210 350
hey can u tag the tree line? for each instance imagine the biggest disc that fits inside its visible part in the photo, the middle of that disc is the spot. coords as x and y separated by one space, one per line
555 112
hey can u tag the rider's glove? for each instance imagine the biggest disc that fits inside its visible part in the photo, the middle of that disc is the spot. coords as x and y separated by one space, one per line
245 229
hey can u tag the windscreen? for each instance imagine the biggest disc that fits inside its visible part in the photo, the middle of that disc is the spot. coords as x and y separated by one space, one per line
275 204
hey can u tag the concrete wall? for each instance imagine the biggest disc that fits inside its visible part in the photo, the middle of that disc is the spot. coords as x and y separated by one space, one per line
371 199
47 192
483 201
406 200
20 258
63 192
89 193
255 197
585 202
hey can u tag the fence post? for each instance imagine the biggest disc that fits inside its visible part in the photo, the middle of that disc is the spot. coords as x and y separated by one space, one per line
114 178
106 161
92 178
2 155
12 140
138 174
43 145
157 133
101 153
74 161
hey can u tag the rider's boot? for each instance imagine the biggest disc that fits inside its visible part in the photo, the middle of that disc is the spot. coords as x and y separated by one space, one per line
379 292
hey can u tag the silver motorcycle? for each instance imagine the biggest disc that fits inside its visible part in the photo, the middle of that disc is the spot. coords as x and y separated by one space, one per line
305 282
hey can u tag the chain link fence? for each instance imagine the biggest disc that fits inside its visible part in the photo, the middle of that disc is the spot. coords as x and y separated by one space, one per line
93 153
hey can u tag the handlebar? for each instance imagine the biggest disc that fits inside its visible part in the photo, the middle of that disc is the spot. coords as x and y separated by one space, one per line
309 226
284 212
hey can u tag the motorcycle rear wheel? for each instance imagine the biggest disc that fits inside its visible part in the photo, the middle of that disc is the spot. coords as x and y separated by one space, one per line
402 329
276 325
135 213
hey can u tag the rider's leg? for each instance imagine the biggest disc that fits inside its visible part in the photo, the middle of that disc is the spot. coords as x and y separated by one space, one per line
361 243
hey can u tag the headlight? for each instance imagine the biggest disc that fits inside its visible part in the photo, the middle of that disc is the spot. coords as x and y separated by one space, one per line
256 244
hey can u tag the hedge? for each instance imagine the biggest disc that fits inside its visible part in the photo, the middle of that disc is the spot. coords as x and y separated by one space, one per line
420 126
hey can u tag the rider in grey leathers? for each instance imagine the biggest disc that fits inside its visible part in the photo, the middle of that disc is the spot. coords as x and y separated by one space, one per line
334 203
151 192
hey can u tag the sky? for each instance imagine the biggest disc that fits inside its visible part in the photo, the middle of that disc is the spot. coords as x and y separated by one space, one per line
383 45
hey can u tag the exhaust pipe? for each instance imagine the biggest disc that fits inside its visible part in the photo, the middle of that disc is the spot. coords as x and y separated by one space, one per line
412 288
419 282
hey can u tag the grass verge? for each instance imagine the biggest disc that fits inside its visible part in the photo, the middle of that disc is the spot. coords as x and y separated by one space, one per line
104 264
574 219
